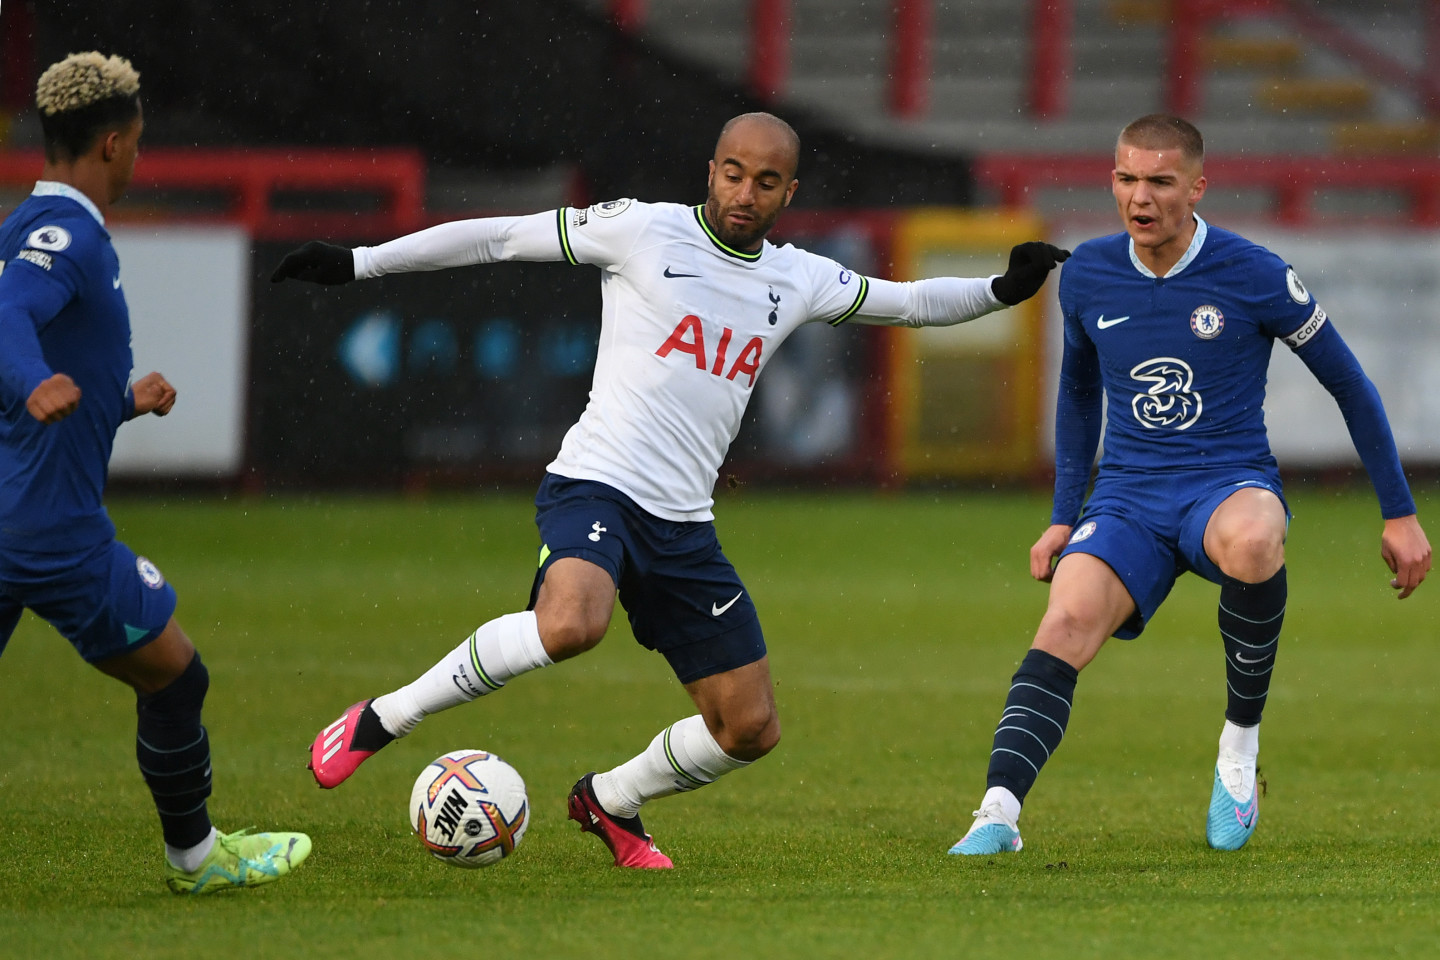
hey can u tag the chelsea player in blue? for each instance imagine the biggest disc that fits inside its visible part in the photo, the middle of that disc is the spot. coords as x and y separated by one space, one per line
65 363
1172 322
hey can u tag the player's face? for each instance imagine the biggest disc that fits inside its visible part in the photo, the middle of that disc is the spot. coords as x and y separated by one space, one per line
751 181
1156 192
122 152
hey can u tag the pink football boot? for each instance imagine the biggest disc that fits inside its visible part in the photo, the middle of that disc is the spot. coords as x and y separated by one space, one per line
626 838
333 755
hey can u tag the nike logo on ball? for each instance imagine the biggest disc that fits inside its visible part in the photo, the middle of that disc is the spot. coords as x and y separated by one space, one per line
673 276
1104 324
716 609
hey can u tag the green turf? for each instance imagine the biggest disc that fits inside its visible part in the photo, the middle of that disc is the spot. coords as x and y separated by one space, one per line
894 624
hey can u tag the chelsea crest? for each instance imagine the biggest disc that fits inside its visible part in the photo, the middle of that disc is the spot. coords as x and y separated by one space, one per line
1207 322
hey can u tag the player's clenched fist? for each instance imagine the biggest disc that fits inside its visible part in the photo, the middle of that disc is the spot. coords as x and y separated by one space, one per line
54 400
153 394
1030 264
317 262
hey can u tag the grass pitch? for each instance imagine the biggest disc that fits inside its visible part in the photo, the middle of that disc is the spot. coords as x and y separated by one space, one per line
894 623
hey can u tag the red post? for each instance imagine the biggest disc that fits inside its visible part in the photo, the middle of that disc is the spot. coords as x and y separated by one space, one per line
769 47
1183 66
1052 27
628 15
910 58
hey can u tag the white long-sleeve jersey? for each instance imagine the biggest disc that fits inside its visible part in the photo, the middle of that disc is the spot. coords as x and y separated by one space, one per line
687 325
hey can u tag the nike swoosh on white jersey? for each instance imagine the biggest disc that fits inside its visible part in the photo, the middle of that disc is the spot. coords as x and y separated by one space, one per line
716 609
1104 324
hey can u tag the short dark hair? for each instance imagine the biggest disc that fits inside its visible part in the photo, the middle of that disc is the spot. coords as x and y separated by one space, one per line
1165 131
81 97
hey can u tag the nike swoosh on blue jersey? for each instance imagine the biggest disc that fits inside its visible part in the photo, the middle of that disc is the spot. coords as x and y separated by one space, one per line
672 276
1103 324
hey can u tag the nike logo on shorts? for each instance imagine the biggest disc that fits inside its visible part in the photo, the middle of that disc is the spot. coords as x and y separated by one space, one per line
1104 324
716 609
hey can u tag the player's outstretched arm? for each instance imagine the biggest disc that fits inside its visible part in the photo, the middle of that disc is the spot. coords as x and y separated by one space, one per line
1046 549
1030 263
54 399
153 394
1406 552
317 262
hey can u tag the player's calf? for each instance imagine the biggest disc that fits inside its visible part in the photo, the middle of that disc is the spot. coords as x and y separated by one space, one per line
173 751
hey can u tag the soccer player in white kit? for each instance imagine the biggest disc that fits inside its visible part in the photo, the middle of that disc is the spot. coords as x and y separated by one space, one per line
695 302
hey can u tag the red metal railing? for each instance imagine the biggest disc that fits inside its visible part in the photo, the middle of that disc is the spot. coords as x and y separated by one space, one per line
1050 59
252 182
1185 63
1292 182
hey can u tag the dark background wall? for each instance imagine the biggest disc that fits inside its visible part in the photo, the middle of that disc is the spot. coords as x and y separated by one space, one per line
503 85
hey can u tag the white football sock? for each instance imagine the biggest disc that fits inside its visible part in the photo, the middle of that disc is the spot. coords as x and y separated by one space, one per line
190 858
501 649
1239 749
1008 803
682 757
1242 740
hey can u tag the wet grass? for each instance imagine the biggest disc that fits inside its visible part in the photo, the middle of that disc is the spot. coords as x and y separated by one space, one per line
894 623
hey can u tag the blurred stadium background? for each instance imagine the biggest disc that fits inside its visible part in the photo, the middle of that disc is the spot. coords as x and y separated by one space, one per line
936 133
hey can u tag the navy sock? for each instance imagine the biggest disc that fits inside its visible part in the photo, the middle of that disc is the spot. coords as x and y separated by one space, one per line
1251 615
174 755
1036 712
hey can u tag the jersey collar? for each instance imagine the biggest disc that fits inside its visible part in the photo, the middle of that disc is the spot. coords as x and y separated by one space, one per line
719 245
1196 242
54 188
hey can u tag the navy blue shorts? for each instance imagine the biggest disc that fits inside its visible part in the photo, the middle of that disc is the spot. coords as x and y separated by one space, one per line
1151 529
684 599
106 602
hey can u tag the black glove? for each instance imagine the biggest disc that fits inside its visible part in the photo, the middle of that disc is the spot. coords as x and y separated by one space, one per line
318 262
1030 264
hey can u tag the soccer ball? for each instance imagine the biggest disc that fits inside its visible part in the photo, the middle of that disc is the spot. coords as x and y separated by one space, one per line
469 808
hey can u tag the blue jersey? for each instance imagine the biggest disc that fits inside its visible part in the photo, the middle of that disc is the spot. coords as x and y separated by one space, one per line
61 311
1183 362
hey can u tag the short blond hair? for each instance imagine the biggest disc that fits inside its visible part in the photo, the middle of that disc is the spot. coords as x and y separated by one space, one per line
83 79
81 97
1165 131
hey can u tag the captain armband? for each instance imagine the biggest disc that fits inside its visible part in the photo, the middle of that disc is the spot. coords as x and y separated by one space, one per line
1307 330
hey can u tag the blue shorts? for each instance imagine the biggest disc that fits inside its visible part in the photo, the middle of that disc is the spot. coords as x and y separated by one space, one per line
1150 529
684 599
105 602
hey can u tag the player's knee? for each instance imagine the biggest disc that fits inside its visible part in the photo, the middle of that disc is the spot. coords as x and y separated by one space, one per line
1252 554
570 633
750 736
1074 636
